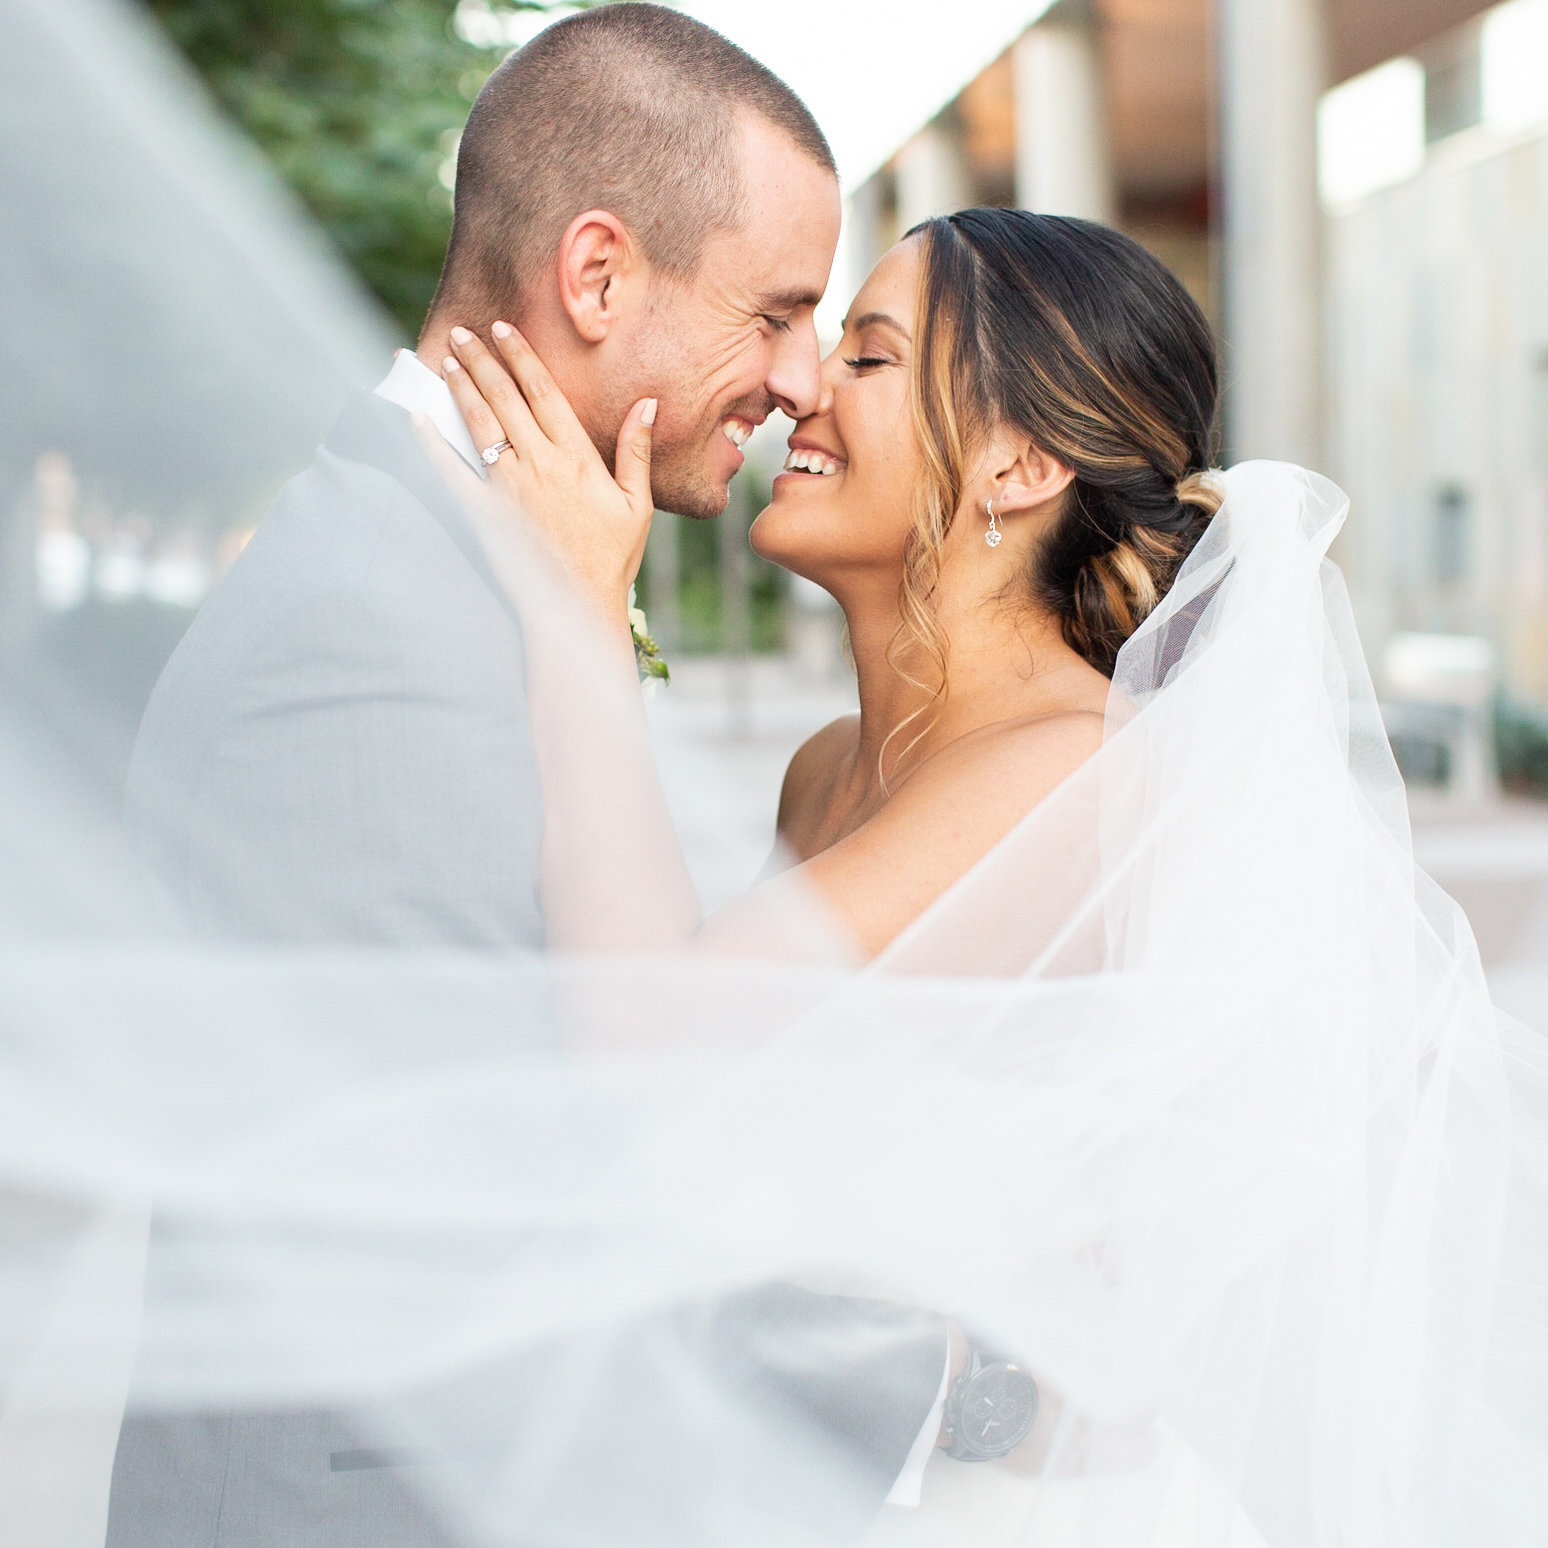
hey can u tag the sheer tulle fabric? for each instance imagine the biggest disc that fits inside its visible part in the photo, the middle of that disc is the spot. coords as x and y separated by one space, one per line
1191 1095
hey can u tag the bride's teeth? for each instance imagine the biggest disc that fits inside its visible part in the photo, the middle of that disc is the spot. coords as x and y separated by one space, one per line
803 461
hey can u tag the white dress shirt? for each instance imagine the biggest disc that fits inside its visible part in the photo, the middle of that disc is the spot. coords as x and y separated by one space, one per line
412 385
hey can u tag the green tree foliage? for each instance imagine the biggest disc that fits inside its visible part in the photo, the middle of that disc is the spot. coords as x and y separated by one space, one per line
358 103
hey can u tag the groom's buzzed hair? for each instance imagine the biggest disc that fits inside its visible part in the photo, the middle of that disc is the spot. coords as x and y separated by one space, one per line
629 108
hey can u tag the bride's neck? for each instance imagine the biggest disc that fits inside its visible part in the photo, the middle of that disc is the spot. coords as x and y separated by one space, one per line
1000 656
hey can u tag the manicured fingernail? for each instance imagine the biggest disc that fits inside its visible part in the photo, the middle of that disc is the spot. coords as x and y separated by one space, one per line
501 330
461 336
449 364
648 417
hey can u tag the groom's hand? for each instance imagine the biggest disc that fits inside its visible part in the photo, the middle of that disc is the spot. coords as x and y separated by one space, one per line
595 521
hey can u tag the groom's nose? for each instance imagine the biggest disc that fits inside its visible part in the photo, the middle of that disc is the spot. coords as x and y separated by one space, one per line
794 378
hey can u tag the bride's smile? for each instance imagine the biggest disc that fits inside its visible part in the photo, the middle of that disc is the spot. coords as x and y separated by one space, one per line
842 501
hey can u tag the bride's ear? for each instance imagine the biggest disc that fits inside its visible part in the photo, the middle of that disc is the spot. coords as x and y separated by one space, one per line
597 261
1026 478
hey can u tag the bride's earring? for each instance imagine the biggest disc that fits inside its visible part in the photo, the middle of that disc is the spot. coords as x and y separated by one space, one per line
993 535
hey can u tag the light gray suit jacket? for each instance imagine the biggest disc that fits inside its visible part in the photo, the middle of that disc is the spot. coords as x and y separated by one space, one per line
339 752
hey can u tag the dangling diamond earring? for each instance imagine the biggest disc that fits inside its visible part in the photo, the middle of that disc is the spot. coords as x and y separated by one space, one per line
993 535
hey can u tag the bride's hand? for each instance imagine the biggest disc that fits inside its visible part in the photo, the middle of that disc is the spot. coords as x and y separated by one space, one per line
595 521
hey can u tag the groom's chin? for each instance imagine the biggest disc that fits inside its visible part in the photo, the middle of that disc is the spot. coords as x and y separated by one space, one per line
699 499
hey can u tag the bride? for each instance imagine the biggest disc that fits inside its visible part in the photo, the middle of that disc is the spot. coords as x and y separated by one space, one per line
1235 1141
994 521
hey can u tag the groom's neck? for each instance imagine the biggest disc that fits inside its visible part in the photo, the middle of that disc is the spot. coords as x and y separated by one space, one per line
548 343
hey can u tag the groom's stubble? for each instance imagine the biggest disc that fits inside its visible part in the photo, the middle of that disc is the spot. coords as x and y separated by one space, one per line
688 424
679 480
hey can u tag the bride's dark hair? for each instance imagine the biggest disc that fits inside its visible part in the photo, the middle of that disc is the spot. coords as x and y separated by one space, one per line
1073 336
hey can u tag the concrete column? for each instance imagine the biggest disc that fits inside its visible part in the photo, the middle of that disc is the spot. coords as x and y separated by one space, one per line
1272 70
1063 166
932 177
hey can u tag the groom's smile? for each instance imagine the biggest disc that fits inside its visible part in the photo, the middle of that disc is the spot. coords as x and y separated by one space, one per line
725 348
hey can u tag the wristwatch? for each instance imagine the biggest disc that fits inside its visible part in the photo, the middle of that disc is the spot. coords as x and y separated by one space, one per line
989 1410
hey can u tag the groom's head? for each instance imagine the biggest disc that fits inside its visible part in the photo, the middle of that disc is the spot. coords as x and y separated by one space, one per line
658 213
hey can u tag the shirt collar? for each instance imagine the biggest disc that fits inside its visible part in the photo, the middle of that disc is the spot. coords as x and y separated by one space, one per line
412 385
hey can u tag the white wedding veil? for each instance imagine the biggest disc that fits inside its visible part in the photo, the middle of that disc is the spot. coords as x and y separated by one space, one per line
1190 1096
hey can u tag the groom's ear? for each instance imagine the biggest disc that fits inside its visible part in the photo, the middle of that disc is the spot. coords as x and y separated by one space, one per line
1026 478
598 262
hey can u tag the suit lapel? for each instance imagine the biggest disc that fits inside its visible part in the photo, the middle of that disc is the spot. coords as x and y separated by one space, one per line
378 433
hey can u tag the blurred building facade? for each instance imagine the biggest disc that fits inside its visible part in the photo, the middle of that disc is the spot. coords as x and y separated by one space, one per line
1437 345
1100 109
1382 296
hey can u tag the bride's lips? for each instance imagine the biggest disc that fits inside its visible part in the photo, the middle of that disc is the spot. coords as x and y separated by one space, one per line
809 461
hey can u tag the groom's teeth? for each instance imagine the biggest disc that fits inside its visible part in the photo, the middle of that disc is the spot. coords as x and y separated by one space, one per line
736 432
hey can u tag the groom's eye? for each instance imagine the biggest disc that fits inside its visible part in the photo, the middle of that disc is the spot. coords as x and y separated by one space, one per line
778 324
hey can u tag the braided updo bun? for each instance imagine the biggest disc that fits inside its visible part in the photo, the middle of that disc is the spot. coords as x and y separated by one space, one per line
1071 335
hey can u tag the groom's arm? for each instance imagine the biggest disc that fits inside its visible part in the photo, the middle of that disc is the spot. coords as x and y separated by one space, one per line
724 1421
867 1377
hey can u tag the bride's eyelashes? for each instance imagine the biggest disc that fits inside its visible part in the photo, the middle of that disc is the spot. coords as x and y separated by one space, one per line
866 362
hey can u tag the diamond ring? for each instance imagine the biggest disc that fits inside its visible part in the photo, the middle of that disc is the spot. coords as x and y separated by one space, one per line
491 454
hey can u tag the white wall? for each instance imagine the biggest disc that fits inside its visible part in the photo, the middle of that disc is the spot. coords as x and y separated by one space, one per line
1437 374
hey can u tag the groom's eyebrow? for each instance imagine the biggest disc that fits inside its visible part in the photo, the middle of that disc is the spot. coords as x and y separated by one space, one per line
787 300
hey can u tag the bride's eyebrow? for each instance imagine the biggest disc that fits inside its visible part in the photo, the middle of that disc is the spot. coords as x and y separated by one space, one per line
865 319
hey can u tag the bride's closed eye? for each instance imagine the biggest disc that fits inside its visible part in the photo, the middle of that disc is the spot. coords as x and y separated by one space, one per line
866 362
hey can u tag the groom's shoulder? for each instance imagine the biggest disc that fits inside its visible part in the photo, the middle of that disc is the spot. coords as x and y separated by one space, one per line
332 522
347 577
353 533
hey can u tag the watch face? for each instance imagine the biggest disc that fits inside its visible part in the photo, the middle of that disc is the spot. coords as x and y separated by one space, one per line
997 1409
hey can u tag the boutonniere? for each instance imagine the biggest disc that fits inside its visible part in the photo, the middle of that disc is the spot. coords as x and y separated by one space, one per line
647 653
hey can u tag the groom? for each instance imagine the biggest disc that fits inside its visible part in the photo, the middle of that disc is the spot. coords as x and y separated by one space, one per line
338 751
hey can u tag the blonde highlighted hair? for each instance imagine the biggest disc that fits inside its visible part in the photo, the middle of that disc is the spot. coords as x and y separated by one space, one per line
1070 335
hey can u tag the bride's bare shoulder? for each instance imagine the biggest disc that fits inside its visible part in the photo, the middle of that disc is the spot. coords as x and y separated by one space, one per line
812 771
1026 757
945 816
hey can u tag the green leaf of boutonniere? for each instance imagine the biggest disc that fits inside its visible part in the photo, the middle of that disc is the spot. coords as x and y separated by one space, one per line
647 654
